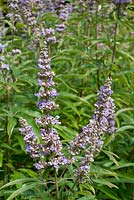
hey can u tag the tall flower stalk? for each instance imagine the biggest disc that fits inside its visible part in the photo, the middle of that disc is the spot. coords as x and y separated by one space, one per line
89 141
120 4
49 147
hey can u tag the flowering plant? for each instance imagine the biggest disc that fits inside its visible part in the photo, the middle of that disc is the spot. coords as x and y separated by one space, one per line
57 56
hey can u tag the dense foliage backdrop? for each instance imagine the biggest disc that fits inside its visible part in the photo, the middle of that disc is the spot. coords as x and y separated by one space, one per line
97 42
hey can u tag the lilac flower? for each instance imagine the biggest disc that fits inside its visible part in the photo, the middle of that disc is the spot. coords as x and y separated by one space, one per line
2 48
89 141
62 9
31 140
16 51
48 119
60 27
39 165
45 80
120 1
47 93
47 105
3 64
49 35
49 146
48 151
21 10
49 6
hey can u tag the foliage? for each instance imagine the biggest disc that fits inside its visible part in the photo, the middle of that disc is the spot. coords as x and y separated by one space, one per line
97 42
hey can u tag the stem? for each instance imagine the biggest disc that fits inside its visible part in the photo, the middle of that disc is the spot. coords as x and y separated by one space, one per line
7 136
114 47
56 186
77 180
96 35
74 184
115 37
8 89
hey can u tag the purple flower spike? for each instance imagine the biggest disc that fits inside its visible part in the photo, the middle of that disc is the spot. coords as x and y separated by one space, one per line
120 1
89 142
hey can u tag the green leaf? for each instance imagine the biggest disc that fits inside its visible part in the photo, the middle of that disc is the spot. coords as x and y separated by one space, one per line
21 190
66 133
123 110
10 24
124 128
108 193
25 180
97 170
1 158
111 156
105 182
91 197
10 126
122 166
125 54
84 192
109 140
30 172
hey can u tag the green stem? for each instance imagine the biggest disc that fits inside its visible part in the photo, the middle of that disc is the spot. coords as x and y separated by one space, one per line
76 182
115 38
7 137
96 35
56 186
114 47
8 89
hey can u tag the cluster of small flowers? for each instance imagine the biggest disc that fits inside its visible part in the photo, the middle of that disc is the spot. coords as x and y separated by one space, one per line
120 1
50 146
3 48
53 145
3 64
49 35
27 14
104 112
86 5
62 9
32 145
14 14
45 80
89 141
2 26
21 11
